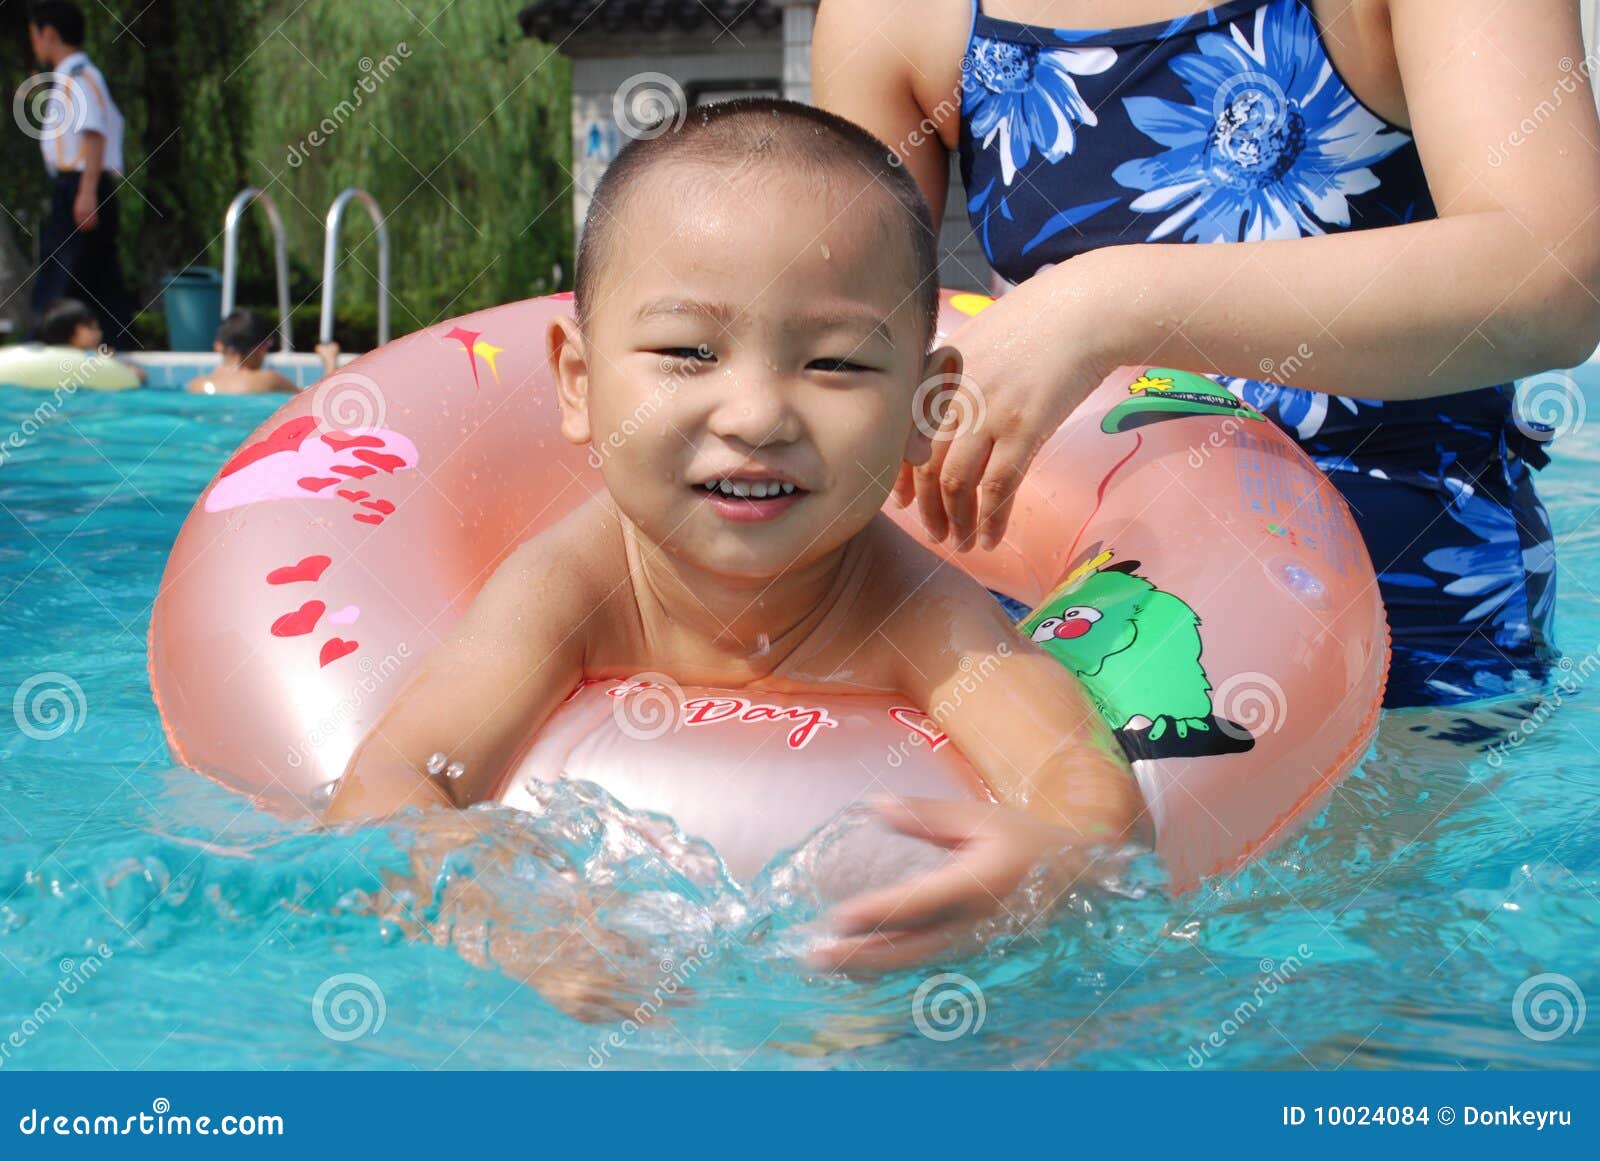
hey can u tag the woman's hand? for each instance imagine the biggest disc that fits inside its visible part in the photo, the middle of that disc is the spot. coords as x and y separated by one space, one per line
993 849
1030 358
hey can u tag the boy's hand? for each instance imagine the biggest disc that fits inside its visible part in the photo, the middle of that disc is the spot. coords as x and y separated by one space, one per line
993 850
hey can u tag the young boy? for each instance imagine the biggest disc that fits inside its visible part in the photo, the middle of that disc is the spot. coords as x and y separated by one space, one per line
66 322
243 340
770 262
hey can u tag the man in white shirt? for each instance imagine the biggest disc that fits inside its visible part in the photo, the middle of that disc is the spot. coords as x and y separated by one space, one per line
83 155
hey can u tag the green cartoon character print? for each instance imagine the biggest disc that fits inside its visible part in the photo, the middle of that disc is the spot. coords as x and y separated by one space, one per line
1162 393
1137 651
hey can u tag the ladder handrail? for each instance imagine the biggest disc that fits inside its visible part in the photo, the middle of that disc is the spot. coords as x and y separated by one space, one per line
280 253
330 246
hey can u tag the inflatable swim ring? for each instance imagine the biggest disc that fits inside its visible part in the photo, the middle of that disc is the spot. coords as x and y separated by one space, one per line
1186 560
37 365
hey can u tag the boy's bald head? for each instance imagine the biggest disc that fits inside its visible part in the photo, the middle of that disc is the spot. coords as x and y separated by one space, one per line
793 140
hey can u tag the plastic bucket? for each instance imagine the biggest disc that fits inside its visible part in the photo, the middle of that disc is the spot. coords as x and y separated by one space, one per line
192 300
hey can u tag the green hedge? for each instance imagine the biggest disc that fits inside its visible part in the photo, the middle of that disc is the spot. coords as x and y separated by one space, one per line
443 111
355 326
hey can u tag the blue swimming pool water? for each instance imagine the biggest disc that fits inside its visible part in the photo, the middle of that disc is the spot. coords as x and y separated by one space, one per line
149 919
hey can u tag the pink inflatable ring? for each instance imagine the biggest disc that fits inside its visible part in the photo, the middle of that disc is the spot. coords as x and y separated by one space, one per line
1185 559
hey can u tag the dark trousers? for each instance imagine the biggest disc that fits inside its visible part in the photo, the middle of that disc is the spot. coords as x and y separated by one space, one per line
83 264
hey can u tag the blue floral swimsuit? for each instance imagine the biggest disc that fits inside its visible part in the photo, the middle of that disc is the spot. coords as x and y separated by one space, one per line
1232 125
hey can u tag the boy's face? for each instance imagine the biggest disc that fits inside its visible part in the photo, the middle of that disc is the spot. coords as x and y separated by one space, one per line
747 375
86 336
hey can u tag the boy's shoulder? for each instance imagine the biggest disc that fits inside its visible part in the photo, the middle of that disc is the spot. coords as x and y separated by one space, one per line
567 568
911 587
265 379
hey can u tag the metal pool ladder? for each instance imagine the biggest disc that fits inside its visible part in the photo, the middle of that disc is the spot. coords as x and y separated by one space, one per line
331 244
280 256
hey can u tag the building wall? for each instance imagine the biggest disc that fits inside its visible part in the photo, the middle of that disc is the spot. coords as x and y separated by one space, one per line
600 84
635 65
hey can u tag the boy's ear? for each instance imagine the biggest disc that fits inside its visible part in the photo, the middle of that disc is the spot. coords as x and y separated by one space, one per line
941 377
569 364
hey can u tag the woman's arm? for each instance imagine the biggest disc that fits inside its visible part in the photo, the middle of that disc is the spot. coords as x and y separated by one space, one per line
1502 285
860 69
1499 286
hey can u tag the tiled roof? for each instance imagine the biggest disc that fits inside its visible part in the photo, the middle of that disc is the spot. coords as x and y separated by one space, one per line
556 20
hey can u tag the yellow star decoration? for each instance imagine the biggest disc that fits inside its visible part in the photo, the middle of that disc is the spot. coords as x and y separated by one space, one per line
1148 383
488 351
1083 569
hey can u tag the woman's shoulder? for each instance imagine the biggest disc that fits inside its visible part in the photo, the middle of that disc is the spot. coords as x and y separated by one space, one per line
922 53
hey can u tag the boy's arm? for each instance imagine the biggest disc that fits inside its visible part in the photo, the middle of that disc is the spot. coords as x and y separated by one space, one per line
329 354
506 665
1023 721
1061 783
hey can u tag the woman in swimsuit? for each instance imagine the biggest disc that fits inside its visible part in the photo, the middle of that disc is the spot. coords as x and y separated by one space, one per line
1414 190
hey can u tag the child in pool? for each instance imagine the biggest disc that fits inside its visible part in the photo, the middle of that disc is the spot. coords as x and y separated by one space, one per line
770 261
69 323
243 340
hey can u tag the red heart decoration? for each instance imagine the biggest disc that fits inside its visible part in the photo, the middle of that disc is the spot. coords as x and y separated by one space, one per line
368 518
316 483
300 622
353 494
285 437
382 460
353 473
336 647
918 722
338 442
379 506
309 569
